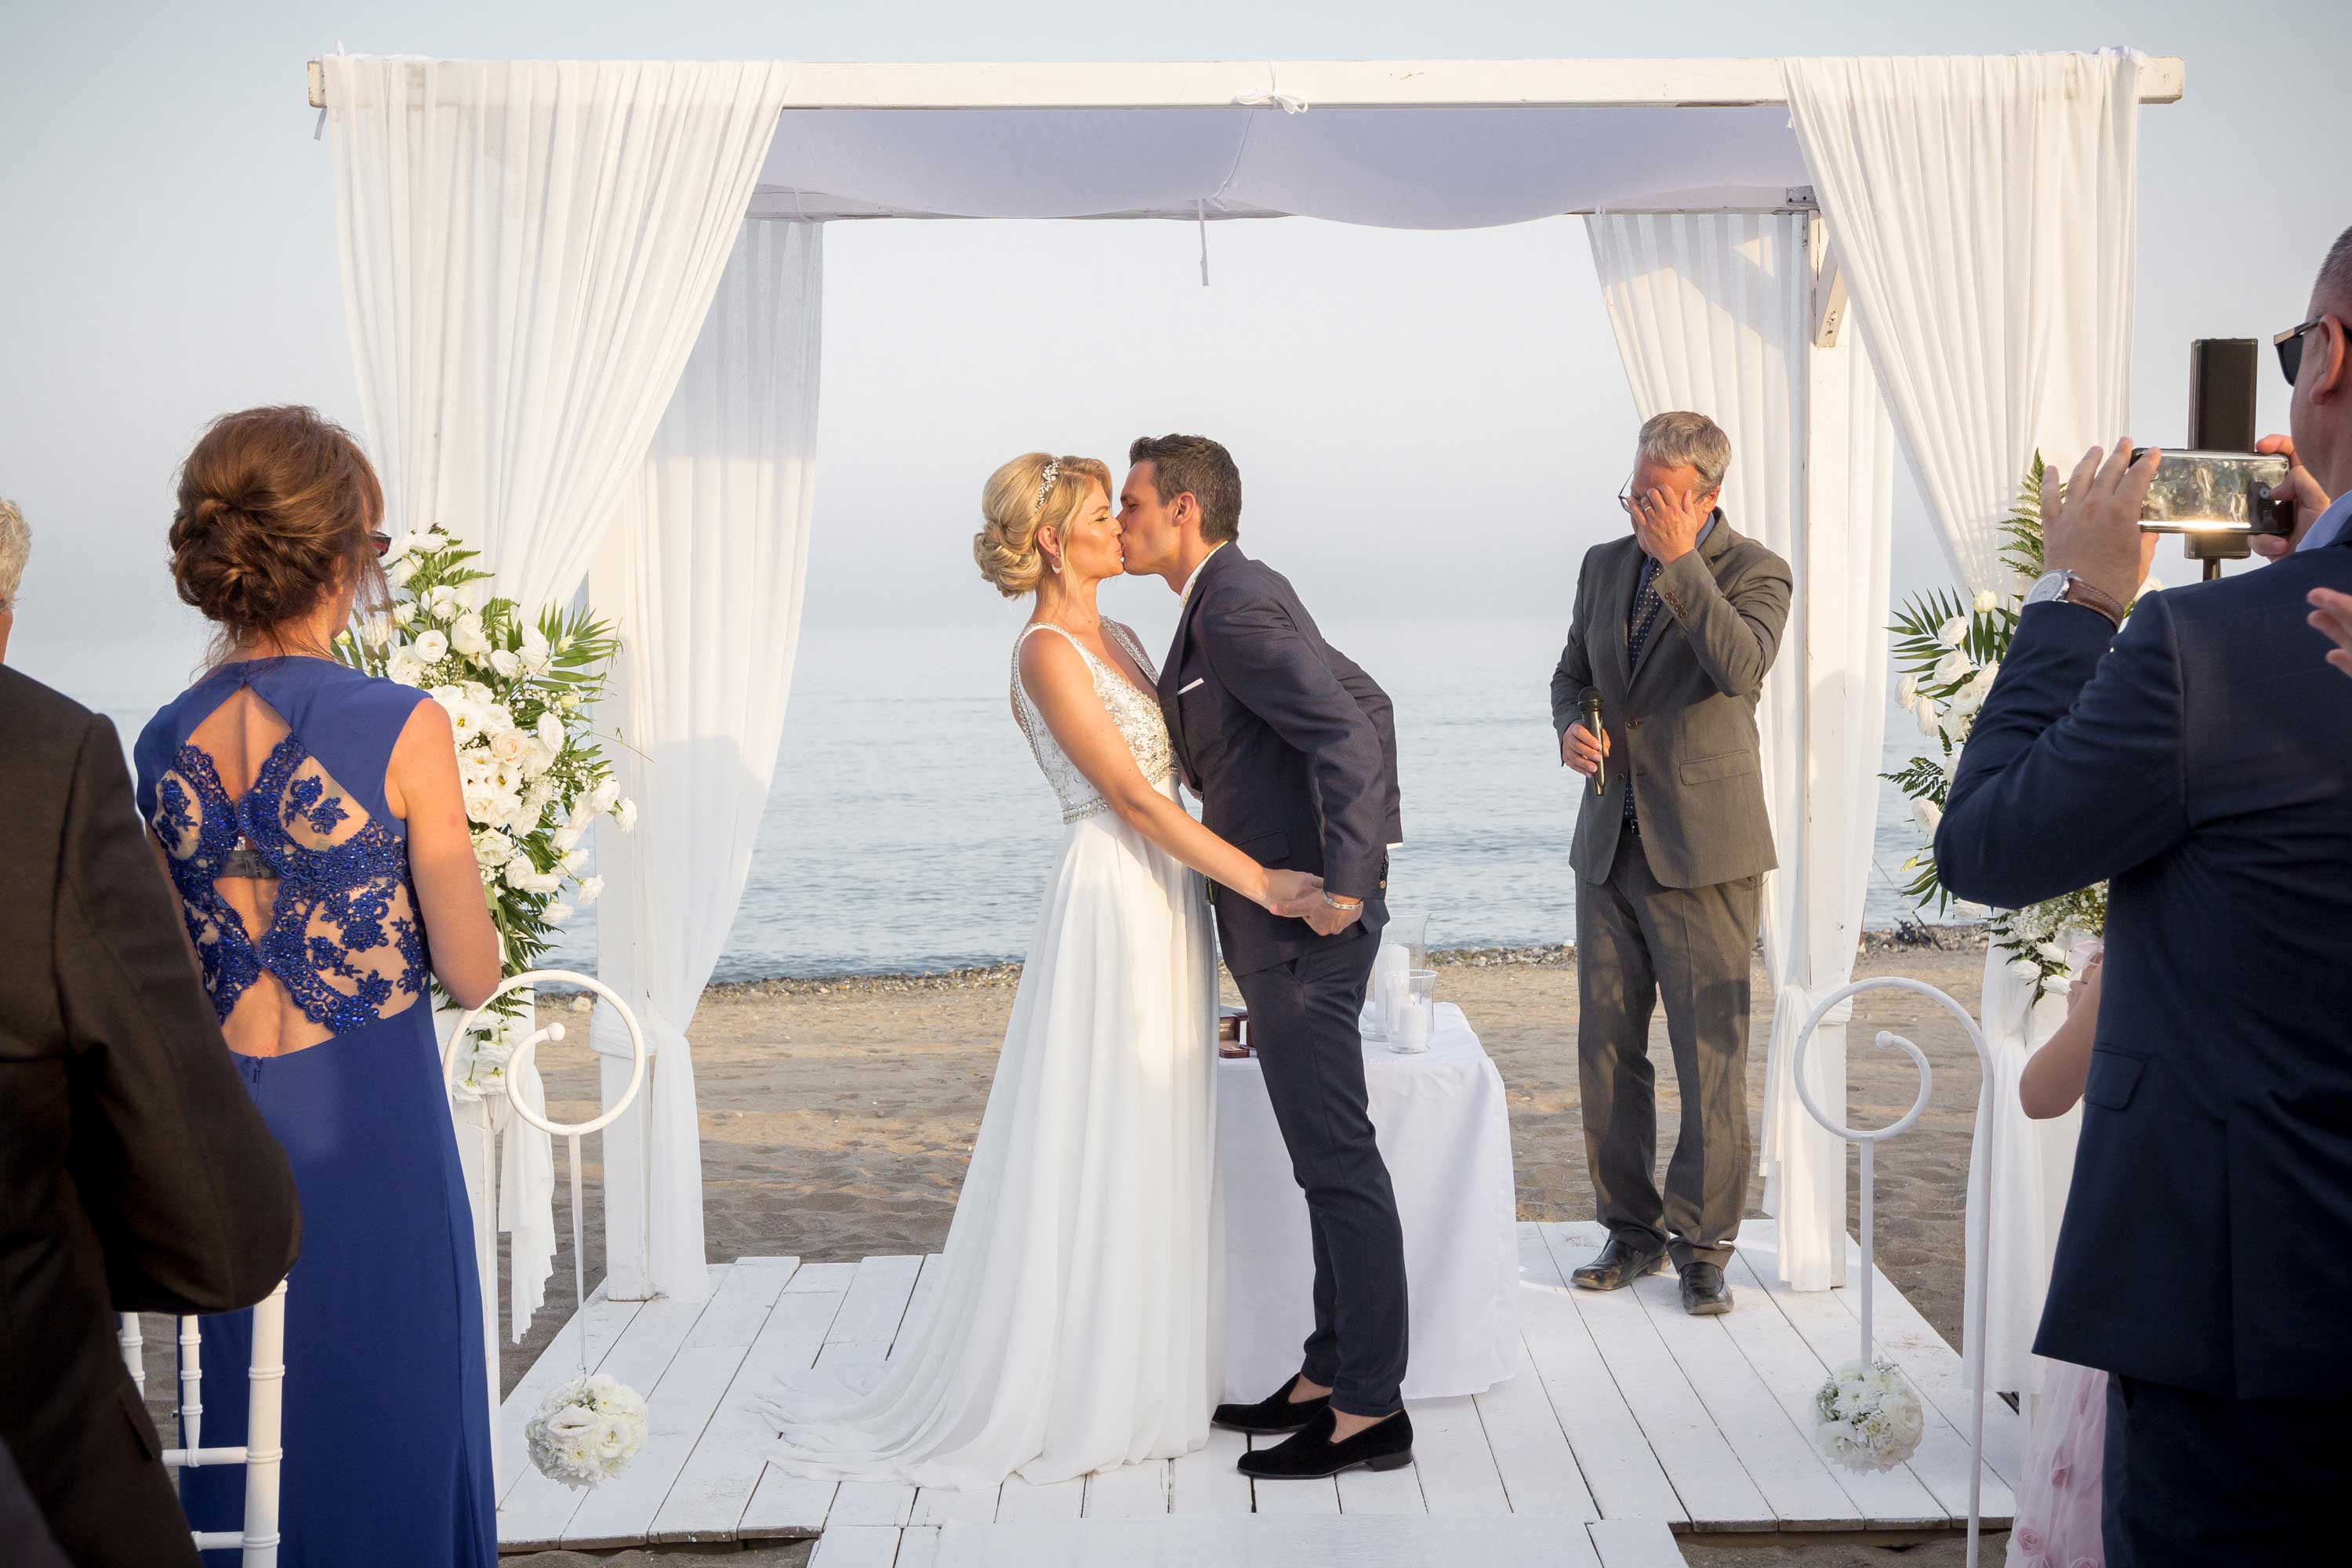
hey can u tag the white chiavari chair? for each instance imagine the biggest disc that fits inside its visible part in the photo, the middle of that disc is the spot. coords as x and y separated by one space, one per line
263 1452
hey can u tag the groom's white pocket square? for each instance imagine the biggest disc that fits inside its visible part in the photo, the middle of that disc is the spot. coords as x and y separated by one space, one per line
1196 681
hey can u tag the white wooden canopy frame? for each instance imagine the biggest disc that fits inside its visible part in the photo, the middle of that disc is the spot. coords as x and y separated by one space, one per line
465 213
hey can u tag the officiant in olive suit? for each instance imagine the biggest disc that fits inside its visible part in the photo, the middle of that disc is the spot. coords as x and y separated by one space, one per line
1674 628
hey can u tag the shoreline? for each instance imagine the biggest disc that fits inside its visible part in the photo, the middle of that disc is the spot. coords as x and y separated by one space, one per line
990 976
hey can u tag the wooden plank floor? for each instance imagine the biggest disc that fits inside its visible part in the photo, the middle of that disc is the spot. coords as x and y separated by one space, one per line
1625 1421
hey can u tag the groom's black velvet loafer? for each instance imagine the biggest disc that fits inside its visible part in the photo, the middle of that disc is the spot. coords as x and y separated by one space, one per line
1279 1414
1309 1455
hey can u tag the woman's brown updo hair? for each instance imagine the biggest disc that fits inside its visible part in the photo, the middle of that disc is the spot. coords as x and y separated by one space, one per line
1005 548
274 510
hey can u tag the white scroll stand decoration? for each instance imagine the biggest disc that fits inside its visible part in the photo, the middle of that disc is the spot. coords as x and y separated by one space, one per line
263 1452
1971 1349
572 1132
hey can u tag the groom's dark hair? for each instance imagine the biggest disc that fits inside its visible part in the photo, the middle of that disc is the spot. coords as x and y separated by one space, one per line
1198 464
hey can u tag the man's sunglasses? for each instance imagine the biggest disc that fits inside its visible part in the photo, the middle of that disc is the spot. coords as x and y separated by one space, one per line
2289 344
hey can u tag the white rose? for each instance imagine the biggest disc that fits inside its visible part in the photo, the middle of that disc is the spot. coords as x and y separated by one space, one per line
492 848
1987 600
569 701
556 913
431 646
543 882
572 859
626 816
483 805
2024 970
1953 666
403 614
378 631
1956 725
496 719
1906 692
537 657
2052 952
1952 764
1927 814
477 691
407 668
464 719
444 599
476 764
568 836
433 539
608 790
1953 632
519 873
504 662
535 759
397 552
404 574
1927 716
551 732
591 888
510 746
468 637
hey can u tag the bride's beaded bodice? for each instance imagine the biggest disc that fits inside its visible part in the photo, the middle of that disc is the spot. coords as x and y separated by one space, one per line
1137 714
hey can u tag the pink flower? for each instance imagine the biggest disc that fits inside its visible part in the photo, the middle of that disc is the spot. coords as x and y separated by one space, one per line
2028 1538
2085 1562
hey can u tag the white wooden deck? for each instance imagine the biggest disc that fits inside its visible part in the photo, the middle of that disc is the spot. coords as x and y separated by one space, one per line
1627 1418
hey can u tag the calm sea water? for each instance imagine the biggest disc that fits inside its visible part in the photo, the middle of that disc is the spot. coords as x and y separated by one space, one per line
909 830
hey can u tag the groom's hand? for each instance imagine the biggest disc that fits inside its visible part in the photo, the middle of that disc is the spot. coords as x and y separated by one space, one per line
1324 921
1291 894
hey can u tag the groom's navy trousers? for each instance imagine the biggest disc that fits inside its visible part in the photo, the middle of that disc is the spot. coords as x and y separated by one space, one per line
1291 749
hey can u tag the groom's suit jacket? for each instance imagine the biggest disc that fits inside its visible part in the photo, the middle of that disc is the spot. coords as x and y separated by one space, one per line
1290 747
2203 762
135 1172
1682 719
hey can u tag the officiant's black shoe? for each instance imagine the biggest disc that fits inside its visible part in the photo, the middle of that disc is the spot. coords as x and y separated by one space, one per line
1279 1414
1705 1295
1309 1455
1619 1264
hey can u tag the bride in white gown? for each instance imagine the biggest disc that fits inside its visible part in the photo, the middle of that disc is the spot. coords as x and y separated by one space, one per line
1073 1325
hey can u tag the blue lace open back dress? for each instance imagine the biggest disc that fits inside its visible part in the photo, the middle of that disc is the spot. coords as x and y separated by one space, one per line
386 1427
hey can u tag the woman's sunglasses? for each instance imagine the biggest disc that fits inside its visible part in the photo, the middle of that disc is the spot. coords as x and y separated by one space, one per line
382 543
2289 344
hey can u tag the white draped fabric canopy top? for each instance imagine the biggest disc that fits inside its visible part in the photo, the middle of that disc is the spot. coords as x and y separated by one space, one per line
1134 710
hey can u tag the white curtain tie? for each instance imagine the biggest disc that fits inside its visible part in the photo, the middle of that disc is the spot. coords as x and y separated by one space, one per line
1281 100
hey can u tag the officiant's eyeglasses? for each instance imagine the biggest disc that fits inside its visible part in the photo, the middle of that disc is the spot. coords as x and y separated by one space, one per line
2289 344
382 543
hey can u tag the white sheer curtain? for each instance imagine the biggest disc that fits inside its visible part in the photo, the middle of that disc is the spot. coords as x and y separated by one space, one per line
1984 212
1714 312
703 569
529 250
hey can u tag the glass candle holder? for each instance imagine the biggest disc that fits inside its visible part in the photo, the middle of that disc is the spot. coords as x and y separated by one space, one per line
1415 1020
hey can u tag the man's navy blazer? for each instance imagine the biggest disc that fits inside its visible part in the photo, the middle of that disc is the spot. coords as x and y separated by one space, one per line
2204 763
1290 747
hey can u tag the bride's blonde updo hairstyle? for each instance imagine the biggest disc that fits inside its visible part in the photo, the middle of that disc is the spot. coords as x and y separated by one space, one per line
1016 502
275 509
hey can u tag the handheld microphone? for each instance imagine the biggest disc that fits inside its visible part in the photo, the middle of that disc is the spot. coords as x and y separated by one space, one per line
1592 727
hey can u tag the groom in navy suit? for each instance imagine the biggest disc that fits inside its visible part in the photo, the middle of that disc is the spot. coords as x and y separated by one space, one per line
2202 760
1291 749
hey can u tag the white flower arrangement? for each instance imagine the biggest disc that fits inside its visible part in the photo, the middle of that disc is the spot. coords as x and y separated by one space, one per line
587 1431
518 694
1868 1418
1948 647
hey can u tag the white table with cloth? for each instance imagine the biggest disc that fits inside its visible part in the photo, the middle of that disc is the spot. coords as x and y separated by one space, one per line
1446 1132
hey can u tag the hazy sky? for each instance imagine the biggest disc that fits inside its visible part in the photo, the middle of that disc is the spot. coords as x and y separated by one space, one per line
1430 425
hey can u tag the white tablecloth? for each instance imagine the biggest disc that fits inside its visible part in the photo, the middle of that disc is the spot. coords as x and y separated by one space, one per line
1445 1133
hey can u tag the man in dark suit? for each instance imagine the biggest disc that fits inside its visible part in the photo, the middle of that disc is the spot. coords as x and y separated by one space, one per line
1291 749
137 1173
1675 626
2201 760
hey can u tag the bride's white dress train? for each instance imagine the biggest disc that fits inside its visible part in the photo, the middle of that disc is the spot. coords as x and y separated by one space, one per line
1072 1327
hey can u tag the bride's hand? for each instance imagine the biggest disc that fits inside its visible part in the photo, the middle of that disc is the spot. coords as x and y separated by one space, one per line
1291 893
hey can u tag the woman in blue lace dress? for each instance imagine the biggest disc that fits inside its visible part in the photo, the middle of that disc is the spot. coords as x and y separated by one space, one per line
311 820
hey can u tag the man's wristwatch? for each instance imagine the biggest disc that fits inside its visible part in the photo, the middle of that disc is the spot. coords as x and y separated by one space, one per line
2065 588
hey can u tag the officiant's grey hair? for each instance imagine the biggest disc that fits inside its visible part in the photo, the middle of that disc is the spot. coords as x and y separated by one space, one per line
1684 439
15 546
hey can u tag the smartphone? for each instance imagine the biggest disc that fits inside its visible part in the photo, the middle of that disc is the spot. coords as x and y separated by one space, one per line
2218 492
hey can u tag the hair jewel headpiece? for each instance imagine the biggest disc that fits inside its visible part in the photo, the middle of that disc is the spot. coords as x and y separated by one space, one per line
1045 482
